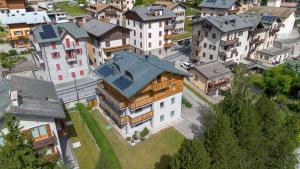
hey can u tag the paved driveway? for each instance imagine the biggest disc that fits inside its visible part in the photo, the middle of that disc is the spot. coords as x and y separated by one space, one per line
190 125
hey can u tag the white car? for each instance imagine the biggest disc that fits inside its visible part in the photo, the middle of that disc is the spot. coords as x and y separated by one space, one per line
185 65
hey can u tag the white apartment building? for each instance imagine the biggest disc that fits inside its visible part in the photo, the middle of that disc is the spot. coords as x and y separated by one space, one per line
37 107
151 29
60 49
105 40
179 11
139 91
218 7
122 4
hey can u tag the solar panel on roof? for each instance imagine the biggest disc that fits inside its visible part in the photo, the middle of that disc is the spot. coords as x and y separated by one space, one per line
105 71
48 32
122 82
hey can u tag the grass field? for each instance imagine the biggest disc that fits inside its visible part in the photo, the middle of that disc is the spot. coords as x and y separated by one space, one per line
88 154
144 155
191 12
73 10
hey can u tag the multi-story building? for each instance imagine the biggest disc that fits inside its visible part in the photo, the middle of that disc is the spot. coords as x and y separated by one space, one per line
105 39
19 25
139 91
152 29
11 6
106 12
218 7
272 56
60 49
36 105
286 16
122 4
179 11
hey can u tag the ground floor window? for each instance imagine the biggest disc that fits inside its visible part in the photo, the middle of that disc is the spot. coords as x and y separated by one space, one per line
172 113
162 118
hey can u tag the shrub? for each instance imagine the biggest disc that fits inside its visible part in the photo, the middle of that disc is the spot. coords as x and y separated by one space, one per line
186 102
12 52
1 29
145 132
135 136
128 138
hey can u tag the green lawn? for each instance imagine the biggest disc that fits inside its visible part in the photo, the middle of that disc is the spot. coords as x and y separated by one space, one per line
188 31
73 10
144 155
88 154
191 12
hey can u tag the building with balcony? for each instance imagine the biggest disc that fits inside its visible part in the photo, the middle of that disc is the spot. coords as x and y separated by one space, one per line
151 29
36 105
139 91
286 16
105 39
211 78
11 6
218 7
179 11
106 12
122 4
19 25
60 50
272 56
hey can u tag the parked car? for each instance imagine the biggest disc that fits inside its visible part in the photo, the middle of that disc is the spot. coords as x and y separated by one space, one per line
185 65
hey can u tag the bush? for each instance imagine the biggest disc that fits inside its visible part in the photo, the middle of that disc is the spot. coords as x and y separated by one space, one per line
294 107
1 29
12 52
145 132
135 136
128 138
186 102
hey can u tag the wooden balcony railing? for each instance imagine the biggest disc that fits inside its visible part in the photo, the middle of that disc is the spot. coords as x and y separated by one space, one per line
140 103
44 141
233 11
229 42
168 36
114 99
110 13
213 86
116 48
112 112
141 118
168 44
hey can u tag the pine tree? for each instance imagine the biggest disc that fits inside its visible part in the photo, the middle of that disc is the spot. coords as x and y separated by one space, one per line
191 155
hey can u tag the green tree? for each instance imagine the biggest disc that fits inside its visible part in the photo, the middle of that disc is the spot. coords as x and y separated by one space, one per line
191 155
17 151
138 2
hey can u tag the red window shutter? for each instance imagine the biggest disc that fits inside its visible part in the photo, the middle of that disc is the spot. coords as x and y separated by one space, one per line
81 72
77 42
68 43
67 55
58 54
73 53
53 45
57 67
73 74
60 77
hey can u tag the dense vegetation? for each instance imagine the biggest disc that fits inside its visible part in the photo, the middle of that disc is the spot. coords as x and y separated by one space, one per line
18 152
108 158
9 59
244 131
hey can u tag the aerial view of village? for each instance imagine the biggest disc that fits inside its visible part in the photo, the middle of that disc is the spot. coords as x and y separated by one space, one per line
149 84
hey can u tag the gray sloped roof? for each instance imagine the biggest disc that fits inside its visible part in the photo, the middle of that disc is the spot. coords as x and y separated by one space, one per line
145 13
68 27
213 70
224 4
227 23
141 69
273 51
97 27
37 98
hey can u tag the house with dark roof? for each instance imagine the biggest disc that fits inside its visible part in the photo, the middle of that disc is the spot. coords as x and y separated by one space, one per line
139 91
106 12
151 29
218 7
105 39
211 78
38 108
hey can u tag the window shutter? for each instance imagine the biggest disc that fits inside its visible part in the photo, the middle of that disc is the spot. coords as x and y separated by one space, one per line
67 55
81 72
68 43
58 54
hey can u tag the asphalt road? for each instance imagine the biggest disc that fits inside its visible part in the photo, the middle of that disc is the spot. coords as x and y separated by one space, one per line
182 54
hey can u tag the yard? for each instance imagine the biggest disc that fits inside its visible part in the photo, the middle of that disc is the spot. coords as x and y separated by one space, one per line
88 154
188 31
151 153
191 12
73 10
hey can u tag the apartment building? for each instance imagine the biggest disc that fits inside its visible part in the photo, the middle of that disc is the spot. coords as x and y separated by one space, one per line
179 11
218 7
151 29
286 16
105 39
36 105
61 52
106 12
272 56
139 91
122 4
222 38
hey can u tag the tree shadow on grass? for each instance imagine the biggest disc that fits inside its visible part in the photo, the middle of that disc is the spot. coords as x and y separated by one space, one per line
163 163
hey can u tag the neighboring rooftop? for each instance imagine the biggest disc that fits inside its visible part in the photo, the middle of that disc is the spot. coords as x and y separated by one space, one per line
128 73
149 13
97 27
100 7
54 32
274 11
167 4
227 23
27 17
223 4
288 41
213 70
273 51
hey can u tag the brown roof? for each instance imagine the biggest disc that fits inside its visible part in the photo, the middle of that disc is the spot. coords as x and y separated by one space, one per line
100 7
280 12
167 4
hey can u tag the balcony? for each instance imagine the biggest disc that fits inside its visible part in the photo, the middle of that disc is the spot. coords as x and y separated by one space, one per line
42 142
104 104
116 48
114 99
229 42
233 11
110 13
141 118
16 37
169 26
222 54
69 47
141 103
168 36
258 41
166 45
162 85
71 59
213 85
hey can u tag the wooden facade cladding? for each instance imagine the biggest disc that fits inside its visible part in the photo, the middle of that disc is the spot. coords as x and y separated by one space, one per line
112 94
141 118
